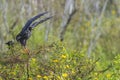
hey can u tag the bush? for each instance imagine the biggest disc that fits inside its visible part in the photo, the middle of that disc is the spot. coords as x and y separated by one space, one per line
54 62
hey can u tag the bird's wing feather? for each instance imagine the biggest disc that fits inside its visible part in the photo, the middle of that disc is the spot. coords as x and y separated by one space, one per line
41 21
27 25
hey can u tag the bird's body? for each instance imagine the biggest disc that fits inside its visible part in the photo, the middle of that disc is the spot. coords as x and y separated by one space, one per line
25 33
22 37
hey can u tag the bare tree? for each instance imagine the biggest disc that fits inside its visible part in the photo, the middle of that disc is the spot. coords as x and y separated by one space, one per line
48 25
5 21
96 34
68 13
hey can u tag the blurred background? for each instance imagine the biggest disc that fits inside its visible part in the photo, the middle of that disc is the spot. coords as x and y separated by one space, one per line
93 25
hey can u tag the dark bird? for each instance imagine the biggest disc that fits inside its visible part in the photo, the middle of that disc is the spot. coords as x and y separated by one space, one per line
25 33
10 44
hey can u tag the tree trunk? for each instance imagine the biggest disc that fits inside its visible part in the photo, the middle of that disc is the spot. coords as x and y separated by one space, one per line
68 13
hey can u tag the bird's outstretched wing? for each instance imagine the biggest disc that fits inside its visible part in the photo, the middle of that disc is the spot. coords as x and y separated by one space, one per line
27 25
38 22
25 33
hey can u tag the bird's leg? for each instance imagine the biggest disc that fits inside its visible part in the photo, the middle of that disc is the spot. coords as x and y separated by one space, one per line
26 50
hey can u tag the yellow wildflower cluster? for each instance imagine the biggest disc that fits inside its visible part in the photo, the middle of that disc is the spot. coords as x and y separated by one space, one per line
63 56
30 79
108 75
67 66
58 77
73 72
39 76
65 75
55 61
33 59
96 78
95 74
45 77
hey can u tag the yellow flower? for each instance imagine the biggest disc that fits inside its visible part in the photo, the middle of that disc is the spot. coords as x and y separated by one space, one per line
108 75
45 77
65 75
59 77
63 56
55 61
30 79
95 74
97 63
96 78
73 72
51 73
67 66
39 76
33 59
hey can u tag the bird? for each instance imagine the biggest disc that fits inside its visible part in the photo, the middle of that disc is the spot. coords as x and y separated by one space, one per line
10 44
25 33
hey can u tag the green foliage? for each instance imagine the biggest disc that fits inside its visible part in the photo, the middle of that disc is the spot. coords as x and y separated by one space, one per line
55 62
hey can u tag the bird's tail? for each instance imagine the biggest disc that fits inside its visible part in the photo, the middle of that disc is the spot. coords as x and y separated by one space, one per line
41 21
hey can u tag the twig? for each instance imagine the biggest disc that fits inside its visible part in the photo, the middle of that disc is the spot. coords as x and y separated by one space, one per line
104 70
27 66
